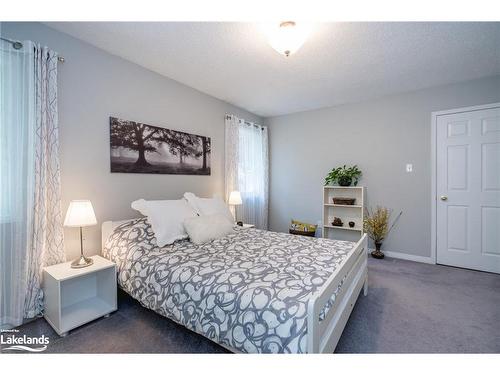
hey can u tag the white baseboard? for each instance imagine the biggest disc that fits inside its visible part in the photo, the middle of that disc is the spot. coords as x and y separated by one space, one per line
414 258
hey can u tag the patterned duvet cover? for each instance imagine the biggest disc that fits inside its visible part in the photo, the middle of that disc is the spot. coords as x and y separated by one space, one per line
247 291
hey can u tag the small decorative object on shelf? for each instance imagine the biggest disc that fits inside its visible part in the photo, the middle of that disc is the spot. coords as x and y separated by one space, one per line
343 176
351 224
376 224
337 222
344 201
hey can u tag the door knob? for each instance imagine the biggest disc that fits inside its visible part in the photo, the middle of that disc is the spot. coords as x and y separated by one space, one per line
443 197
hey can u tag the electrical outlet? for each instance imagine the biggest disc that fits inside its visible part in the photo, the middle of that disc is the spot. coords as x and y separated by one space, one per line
409 168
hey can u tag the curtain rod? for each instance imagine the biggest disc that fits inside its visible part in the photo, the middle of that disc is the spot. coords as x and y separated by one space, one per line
248 123
18 45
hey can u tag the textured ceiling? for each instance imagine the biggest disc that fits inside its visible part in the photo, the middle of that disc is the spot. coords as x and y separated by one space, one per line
339 63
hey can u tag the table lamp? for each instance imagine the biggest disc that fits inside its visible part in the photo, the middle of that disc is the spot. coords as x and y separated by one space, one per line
80 214
235 200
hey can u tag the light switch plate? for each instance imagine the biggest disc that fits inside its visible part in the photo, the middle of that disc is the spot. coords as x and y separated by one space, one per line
409 168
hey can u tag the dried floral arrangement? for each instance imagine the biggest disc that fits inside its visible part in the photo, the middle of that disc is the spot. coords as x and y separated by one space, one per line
376 223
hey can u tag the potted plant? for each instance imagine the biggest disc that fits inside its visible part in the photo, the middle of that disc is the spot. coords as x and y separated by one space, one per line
376 225
343 176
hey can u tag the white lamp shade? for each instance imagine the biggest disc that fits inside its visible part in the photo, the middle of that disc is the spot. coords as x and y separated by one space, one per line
80 214
235 198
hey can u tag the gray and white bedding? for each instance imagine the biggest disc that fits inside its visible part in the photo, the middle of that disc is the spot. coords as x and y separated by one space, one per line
247 291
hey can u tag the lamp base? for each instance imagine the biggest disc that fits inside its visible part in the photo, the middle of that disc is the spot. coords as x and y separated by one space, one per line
81 262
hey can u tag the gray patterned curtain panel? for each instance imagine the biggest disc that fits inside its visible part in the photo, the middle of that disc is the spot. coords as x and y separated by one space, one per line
31 234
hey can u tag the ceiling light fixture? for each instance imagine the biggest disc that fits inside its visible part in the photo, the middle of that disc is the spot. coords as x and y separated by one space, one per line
288 37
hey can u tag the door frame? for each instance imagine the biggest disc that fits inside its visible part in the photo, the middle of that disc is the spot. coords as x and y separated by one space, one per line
434 118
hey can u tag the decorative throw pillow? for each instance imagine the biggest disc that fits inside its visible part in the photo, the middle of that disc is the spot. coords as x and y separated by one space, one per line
209 206
166 218
206 228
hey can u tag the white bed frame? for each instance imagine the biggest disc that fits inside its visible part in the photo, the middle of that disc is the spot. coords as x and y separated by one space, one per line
323 335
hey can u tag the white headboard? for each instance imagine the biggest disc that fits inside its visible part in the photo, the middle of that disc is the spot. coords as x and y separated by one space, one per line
107 228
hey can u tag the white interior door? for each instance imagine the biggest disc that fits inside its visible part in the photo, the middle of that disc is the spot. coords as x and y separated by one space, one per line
468 189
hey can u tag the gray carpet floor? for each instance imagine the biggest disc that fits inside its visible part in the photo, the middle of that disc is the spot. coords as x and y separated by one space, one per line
410 308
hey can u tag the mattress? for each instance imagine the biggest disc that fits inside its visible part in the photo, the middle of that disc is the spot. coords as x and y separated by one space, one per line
247 291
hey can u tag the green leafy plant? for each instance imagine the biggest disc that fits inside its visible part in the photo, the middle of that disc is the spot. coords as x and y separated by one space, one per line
376 223
343 176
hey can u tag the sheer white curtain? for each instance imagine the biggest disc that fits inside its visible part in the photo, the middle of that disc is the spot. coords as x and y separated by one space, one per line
247 164
31 234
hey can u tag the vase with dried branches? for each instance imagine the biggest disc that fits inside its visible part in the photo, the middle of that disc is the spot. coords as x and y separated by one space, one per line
376 225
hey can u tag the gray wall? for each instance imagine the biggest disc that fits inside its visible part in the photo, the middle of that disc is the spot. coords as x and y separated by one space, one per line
94 85
381 136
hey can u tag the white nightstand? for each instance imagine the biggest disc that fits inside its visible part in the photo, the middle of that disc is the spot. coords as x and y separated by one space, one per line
75 296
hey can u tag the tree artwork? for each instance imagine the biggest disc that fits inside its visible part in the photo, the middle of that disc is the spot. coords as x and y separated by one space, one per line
141 148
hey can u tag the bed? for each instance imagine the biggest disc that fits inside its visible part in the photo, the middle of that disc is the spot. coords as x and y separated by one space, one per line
252 291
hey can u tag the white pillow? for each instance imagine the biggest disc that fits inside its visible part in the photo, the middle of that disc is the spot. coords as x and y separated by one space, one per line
202 229
166 218
209 206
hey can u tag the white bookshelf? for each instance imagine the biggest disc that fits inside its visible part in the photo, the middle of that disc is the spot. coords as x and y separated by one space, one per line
345 212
